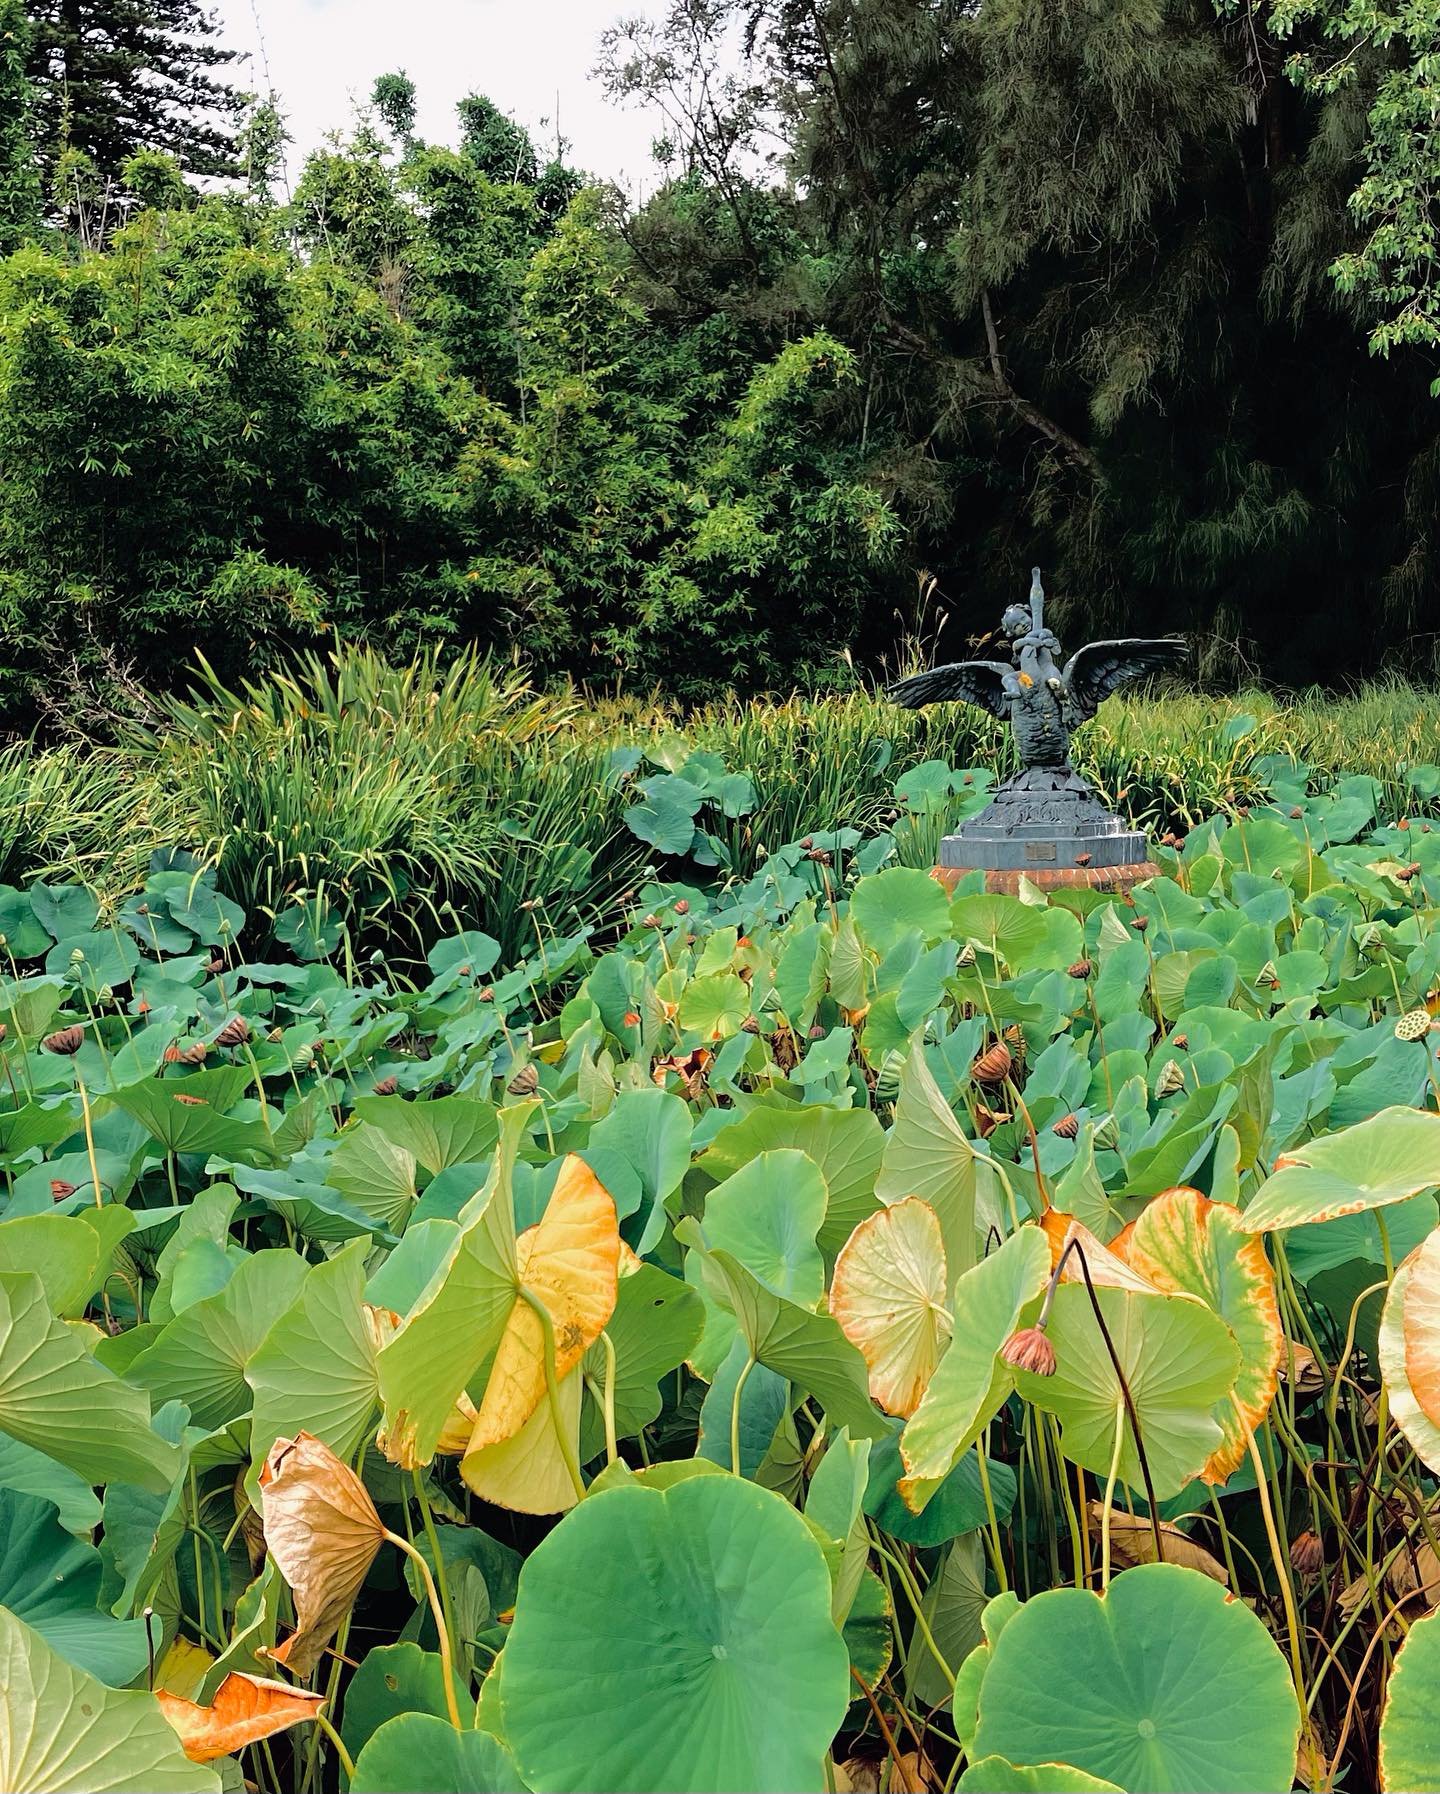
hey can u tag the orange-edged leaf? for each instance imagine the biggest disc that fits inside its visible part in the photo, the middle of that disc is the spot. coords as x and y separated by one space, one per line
1421 1319
1104 1263
245 1708
323 1531
888 1294
570 1260
1185 1244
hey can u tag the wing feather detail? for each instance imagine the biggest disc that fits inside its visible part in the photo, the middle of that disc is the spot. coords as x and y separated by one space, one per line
963 681
1100 668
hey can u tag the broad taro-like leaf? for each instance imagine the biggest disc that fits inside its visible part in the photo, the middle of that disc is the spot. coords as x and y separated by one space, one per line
1183 1242
888 905
454 1762
244 1710
373 1174
807 1349
971 1382
1410 1721
928 1154
316 1368
694 1626
1387 1158
457 1323
846 1144
187 1115
62 1732
54 1396
1164 1682
656 1322
1391 1348
62 1252
1180 1360
51 1580
201 1357
768 1215
888 1294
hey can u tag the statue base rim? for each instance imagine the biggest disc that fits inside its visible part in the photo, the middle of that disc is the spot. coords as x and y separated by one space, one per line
1113 880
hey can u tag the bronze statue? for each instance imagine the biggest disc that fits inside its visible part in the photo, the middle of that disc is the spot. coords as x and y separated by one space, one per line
1043 705
1046 815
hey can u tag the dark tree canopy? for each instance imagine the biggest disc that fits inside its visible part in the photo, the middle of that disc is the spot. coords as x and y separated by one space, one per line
114 76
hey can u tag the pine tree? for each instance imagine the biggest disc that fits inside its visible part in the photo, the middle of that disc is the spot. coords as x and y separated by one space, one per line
115 76
19 182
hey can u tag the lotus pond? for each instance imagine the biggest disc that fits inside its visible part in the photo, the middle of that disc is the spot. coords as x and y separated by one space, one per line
818 1334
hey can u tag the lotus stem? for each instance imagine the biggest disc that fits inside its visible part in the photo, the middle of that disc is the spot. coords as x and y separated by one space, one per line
428 1521
432 1594
611 1449
347 1762
740 1383
1109 1500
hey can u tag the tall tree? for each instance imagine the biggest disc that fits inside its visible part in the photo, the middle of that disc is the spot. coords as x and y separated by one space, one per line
115 76
19 183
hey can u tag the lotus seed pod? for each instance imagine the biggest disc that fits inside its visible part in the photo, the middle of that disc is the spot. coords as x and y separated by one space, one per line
1307 1554
967 955
1067 1127
1171 1079
525 1082
1082 968
1413 1025
993 1067
387 1086
64 1040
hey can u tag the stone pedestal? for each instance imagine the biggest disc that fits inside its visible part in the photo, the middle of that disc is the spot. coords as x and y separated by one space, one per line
1047 825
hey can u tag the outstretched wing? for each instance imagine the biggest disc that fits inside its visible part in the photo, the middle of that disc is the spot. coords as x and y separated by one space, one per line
964 681
1092 674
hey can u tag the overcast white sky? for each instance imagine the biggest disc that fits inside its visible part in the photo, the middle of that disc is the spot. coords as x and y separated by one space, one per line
324 54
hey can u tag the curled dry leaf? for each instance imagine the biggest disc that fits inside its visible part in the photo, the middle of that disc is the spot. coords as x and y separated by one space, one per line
1132 1541
1309 1379
245 1709
323 1532
570 1261
888 1295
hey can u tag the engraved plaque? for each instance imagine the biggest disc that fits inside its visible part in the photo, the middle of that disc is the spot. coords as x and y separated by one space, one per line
1039 850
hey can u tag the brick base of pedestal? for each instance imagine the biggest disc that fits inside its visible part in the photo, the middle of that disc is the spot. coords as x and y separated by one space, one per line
1056 878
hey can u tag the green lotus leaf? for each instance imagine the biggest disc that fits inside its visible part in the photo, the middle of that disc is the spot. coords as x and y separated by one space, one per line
54 1396
450 1762
316 1366
887 906
438 1131
846 1144
373 1174
1410 1721
928 1154
768 1215
952 1606
51 1581
62 1732
393 1679
1164 1682
201 1357
1388 1158
993 1775
654 1327
805 1348
188 1114
62 1252
970 1382
694 1628
1179 1359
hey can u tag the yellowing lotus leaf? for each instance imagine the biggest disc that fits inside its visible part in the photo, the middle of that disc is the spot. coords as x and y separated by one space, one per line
1409 1416
1184 1244
570 1261
888 1294
527 1472
245 1709
322 1529
1421 1322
